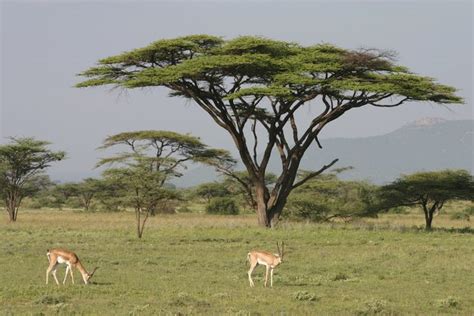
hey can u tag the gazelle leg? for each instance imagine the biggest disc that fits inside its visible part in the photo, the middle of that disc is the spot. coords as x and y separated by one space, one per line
72 275
252 267
54 274
266 275
271 277
48 271
65 275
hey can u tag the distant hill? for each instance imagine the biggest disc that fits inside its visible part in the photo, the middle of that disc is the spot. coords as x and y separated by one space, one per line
426 144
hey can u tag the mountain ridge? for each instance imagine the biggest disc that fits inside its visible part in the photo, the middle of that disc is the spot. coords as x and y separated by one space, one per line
423 145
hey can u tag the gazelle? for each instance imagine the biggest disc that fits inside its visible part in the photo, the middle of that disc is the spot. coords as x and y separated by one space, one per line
58 256
269 260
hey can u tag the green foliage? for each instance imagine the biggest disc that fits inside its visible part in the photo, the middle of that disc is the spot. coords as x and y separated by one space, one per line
211 190
435 185
469 210
305 296
460 216
140 188
252 83
449 302
430 190
373 306
398 210
305 207
87 190
164 151
222 206
285 69
154 157
326 197
238 183
22 163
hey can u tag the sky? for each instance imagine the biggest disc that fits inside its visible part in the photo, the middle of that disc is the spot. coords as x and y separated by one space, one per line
45 44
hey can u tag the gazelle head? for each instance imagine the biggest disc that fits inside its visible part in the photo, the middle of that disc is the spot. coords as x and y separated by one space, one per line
90 275
279 255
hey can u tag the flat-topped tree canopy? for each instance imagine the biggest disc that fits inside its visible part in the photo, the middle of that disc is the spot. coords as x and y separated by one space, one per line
266 67
165 151
250 85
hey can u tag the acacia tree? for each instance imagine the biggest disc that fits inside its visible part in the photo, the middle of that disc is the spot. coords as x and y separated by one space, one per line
240 183
254 88
152 158
22 162
430 190
140 188
87 190
210 190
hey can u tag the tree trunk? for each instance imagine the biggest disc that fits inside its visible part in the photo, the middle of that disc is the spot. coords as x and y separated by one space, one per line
428 220
12 205
262 214
140 223
275 212
428 215
137 216
11 215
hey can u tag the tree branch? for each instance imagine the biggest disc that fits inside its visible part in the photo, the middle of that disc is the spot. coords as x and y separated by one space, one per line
314 174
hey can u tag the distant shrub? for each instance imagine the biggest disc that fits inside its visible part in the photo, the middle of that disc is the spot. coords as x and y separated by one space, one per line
460 216
222 206
301 208
373 306
469 210
166 207
449 302
183 209
305 296
398 210
340 277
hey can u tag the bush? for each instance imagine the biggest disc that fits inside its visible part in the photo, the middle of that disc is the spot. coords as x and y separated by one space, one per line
373 306
305 296
448 302
460 216
302 208
398 210
222 206
183 209
469 210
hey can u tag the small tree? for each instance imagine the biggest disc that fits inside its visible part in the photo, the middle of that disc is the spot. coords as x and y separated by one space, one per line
430 190
22 162
141 189
211 190
87 190
153 158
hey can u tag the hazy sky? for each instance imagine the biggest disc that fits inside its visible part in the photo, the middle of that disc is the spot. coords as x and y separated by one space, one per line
45 44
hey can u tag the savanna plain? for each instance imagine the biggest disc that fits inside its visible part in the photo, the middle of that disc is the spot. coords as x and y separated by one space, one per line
196 264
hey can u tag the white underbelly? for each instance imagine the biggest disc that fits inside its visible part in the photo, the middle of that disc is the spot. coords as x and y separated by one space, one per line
62 260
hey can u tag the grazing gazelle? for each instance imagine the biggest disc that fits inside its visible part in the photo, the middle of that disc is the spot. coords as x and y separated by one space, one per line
269 260
57 256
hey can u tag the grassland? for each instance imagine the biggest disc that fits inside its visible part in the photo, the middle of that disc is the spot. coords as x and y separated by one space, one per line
195 264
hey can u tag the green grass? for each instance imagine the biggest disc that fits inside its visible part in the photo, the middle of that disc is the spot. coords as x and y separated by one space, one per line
195 264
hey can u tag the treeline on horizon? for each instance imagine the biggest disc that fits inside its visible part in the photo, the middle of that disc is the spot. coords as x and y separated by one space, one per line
139 180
